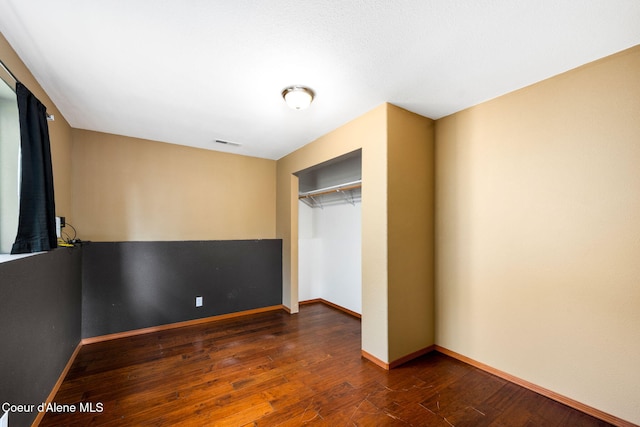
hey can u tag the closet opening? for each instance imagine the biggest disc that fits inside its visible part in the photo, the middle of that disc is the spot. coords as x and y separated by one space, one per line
330 233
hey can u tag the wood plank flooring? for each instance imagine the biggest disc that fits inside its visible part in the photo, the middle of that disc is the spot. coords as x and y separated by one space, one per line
276 369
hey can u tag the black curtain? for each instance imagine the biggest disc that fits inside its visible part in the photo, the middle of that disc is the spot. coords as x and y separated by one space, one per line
37 221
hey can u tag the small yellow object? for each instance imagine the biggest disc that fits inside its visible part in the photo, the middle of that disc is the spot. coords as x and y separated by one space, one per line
64 244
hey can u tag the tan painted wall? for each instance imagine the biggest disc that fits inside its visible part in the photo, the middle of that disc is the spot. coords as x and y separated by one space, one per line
411 238
59 130
369 133
538 234
133 189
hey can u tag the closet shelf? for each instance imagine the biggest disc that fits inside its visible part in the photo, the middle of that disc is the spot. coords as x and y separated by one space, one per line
349 192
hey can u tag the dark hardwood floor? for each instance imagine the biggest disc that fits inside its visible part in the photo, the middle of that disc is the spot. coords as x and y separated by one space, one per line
276 369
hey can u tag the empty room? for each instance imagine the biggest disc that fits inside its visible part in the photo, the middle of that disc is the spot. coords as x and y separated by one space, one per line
320 213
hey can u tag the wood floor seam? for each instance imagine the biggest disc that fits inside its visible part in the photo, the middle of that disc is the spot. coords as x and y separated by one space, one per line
272 368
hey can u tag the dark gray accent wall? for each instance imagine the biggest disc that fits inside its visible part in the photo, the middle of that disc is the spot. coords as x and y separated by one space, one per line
40 315
49 301
134 285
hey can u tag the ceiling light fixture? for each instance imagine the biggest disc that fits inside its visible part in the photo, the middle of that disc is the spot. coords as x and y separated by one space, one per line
298 97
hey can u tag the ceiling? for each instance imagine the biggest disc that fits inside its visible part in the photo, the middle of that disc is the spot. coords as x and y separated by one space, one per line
193 71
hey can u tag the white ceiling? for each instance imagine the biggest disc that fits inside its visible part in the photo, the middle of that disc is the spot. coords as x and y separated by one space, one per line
193 71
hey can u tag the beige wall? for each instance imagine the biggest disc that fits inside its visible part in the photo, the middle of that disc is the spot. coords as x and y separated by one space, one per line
59 130
369 133
538 234
411 239
537 222
397 225
133 189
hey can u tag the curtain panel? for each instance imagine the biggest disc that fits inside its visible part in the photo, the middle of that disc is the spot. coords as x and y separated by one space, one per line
37 221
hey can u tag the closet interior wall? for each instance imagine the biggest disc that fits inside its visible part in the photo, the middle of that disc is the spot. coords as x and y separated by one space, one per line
330 234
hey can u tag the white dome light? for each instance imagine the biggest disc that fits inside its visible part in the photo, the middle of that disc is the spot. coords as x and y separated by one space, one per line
298 97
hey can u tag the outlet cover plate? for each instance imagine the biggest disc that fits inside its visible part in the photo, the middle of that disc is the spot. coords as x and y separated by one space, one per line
198 301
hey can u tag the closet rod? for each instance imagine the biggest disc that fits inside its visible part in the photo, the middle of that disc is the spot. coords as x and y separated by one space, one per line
333 189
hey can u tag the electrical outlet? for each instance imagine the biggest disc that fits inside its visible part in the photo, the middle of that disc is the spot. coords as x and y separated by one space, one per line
199 302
